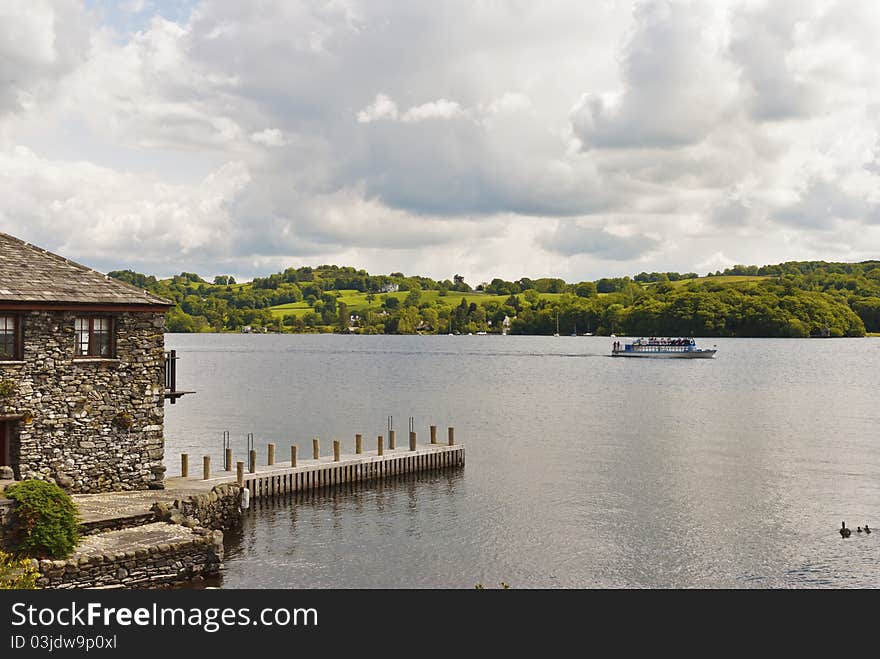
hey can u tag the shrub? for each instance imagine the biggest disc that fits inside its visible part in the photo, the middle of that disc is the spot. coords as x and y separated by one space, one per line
47 519
17 573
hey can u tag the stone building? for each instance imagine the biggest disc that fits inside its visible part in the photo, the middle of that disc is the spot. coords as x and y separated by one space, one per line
82 374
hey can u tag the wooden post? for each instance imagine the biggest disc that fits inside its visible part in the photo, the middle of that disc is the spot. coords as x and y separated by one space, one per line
271 448
184 465
252 466
433 434
207 466
239 473
358 444
412 441
316 450
228 461
381 444
293 455
391 439
451 436
335 450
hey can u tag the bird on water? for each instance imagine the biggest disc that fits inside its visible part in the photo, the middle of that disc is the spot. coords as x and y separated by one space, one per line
867 530
844 532
858 529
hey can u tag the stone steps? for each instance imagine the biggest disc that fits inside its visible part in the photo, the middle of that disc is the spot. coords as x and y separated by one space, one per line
114 511
118 523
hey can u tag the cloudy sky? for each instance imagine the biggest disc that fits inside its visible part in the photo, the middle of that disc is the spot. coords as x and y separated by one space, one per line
488 138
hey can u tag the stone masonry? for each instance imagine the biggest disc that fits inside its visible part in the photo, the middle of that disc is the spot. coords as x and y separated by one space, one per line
91 425
155 555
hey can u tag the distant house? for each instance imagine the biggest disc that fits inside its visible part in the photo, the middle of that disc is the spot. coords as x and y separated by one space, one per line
82 374
389 288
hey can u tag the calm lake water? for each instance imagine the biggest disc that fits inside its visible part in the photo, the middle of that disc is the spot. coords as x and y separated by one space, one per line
582 470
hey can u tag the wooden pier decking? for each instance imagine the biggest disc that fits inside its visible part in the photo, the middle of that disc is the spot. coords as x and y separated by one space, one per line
275 479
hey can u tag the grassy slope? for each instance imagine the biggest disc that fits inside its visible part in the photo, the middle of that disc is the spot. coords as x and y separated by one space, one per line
357 301
725 279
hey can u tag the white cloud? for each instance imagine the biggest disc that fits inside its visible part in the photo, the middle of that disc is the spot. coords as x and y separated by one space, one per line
93 213
269 137
439 109
382 108
510 139
40 43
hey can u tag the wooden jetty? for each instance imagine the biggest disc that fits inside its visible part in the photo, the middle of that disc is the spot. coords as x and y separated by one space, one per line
280 478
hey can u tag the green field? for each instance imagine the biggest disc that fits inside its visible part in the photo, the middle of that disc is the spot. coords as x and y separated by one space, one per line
723 279
357 301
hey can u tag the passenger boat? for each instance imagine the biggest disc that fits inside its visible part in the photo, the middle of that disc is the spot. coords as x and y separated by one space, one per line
660 348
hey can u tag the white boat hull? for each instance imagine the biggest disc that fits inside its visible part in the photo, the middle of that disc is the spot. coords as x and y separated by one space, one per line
685 354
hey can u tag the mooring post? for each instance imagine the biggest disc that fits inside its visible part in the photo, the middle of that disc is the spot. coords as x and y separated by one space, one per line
451 436
184 465
433 434
391 439
227 451
271 449
316 449
335 450
358 444
252 461
412 440
239 473
206 460
380 444
293 455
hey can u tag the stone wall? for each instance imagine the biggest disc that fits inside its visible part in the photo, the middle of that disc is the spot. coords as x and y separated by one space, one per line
91 425
219 509
157 555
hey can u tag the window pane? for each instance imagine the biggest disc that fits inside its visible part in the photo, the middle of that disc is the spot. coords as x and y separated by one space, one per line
8 337
101 337
102 344
82 336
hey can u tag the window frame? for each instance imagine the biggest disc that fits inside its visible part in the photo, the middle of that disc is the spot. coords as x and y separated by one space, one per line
111 337
17 340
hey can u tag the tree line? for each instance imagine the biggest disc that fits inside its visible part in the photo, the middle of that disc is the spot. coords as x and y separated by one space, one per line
794 299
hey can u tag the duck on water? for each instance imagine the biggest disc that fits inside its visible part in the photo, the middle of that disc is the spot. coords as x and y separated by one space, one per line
845 532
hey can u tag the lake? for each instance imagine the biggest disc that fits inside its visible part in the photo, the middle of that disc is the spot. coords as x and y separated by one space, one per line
583 471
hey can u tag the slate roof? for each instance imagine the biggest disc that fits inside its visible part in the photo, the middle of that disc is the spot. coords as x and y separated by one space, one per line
29 274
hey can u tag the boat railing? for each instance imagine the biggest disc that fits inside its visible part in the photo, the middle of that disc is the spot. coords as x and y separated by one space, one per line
659 347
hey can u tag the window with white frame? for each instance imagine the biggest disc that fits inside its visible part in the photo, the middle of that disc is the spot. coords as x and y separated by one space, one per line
94 337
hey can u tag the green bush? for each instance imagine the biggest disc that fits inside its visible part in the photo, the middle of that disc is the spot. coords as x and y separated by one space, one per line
17 573
48 522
